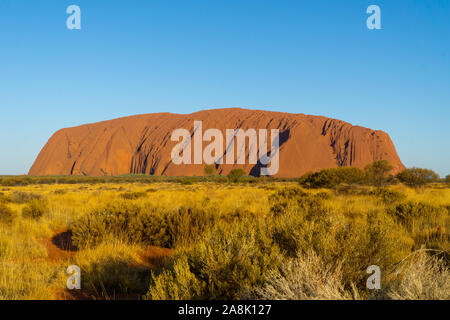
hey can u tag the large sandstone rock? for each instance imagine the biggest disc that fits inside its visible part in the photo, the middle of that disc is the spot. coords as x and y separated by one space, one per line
142 144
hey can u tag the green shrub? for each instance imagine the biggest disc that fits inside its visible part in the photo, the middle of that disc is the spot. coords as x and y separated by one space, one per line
24 197
323 195
376 239
187 181
230 261
177 282
60 191
417 177
307 179
328 178
311 206
111 221
288 193
236 175
16 181
428 224
171 228
210 170
286 199
350 190
377 172
279 208
5 198
35 209
372 238
288 233
7 215
388 196
43 180
406 212
133 195
392 180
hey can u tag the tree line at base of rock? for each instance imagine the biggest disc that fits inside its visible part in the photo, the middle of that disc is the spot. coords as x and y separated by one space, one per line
377 174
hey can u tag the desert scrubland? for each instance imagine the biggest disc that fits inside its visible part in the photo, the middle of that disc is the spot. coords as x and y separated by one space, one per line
219 238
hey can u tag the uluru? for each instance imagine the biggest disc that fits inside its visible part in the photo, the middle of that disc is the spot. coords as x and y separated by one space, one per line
142 144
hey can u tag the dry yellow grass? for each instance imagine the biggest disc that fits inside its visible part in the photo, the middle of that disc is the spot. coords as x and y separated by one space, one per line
27 271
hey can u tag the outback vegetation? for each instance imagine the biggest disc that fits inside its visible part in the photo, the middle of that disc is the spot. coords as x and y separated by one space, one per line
234 237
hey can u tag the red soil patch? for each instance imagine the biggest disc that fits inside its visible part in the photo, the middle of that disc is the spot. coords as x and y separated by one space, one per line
154 257
58 246
65 294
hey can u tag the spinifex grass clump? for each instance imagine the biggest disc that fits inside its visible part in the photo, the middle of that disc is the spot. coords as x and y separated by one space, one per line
35 209
133 195
359 239
112 270
111 221
428 224
388 196
24 197
227 263
305 277
7 215
148 225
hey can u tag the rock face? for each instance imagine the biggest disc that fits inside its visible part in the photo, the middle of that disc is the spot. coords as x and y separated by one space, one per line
142 144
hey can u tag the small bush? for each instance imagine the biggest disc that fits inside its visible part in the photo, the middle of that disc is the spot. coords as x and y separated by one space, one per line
373 238
112 270
286 199
323 195
406 212
7 215
350 190
328 178
426 278
16 181
288 193
226 264
305 277
177 282
170 228
288 233
236 175
417 177
60 191
428 224
24 197
35 209
110 221
388 196
4 198
210 170
133 195
186 181
377 172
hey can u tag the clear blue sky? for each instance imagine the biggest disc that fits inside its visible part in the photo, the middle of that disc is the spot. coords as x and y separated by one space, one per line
314 57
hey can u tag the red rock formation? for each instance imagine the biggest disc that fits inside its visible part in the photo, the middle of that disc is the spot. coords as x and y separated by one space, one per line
142 144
